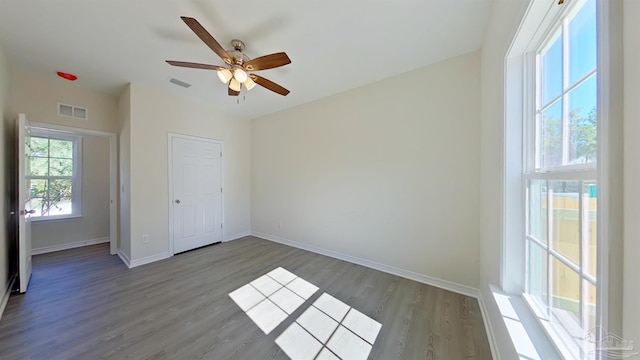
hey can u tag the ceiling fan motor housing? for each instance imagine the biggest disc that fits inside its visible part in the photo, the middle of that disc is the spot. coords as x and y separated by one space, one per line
237 54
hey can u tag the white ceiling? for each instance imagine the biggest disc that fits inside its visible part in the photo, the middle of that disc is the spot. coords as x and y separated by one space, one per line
333 45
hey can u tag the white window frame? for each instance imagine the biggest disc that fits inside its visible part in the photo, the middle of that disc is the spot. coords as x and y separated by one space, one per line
76 192
555 21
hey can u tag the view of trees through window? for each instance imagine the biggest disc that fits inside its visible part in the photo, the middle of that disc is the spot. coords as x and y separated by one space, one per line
51 171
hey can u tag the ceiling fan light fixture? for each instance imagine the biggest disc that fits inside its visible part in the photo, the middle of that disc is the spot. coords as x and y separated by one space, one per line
224 75
240 75
234 85
249 83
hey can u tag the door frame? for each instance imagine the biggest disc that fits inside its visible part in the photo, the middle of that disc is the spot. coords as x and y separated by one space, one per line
170 137
113 174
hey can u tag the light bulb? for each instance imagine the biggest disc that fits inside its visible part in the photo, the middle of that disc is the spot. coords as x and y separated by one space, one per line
239 74
249 83
224 75
234 85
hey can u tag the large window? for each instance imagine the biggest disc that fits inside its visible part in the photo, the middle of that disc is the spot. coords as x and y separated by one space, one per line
54 174
561 191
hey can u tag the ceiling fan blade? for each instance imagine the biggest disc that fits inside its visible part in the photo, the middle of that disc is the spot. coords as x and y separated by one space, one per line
233 92
204 35
267 62
269 85
194 65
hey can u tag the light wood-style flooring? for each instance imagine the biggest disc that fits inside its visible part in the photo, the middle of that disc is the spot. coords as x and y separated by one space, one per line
85 304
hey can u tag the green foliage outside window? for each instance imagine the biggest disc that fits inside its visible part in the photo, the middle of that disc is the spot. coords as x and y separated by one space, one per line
51 174
583 132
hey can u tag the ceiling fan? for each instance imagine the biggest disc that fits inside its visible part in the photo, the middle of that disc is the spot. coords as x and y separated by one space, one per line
238 65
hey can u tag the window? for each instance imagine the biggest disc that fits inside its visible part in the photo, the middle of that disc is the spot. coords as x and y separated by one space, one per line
54 174
561 191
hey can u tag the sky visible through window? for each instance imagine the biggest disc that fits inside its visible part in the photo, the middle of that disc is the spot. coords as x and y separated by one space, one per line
582 60
579 61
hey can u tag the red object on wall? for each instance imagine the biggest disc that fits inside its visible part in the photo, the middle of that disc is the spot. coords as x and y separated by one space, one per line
67 76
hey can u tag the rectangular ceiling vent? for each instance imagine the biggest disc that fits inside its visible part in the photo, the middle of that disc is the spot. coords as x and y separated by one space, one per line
179 83
73 111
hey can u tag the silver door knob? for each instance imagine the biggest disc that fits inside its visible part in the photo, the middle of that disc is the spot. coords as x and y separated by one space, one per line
177 201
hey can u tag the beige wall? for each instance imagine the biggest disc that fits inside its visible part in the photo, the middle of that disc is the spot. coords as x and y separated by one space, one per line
631 309
6 133
94 223
38 98
387 172
154 114
124 173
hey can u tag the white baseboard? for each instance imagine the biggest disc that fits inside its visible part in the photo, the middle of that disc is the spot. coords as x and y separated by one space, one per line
48 249
7 293
125 258
493 343
142 261
425 279
237 236
149 259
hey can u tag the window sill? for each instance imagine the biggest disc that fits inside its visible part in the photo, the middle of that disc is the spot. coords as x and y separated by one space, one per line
559 339
527 335
44 219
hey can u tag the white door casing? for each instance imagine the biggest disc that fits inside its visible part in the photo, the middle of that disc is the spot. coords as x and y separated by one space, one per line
24 205
195 192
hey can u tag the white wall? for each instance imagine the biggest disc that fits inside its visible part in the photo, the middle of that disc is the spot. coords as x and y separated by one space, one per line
387 172
38 96
155 113
631 309
124 173
6 133
94 223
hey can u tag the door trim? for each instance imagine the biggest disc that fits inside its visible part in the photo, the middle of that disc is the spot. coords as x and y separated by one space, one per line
113 174
170 137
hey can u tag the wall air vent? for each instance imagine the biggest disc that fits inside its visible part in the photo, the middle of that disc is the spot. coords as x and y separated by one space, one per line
73 111
179 83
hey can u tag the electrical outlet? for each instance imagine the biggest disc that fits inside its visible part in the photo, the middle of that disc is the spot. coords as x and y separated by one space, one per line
145 238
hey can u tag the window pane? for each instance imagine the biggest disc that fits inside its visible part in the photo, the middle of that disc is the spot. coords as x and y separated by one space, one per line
61 149
538 209
58 189
38 188
39 166
37 204
38 147
551 136
582 42
61 167
551 68
583 122
565 223
537 277
590 305
61 207
589 227
565 296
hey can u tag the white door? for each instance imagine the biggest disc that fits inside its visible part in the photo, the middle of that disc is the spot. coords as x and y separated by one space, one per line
196 180
24 204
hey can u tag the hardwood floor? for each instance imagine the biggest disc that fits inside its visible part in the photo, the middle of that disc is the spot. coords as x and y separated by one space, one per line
85 304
